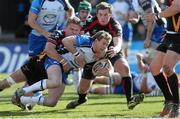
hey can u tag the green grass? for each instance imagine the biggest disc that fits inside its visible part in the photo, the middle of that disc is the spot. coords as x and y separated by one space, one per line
98 106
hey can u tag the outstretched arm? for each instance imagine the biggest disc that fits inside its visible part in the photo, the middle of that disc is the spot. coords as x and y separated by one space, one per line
142 66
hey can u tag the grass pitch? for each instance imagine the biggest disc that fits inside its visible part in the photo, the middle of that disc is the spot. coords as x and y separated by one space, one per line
98 106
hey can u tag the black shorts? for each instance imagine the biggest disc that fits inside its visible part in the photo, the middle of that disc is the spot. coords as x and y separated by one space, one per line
171 42
34 70
87 71
116 57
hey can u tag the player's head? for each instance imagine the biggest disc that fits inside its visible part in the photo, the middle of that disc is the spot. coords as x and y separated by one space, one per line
104 12
73 26
84 10
101 41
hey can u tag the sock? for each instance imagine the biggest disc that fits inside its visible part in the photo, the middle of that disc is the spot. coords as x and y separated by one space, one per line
32 100
10 81
40 85
81 97
173 83
163 85
76 76
128 87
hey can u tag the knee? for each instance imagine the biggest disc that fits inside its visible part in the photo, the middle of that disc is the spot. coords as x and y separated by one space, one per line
56 82
51 103
167 70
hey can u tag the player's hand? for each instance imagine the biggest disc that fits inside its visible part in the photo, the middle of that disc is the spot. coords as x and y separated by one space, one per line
147 43
80 60
102 71
111 52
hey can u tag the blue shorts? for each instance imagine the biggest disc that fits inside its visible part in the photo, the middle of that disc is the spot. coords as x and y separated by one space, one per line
157 34
36 44
49 61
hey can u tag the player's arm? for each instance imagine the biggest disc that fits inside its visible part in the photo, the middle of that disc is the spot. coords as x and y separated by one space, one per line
70 44
70 10
141 65
172 10
32 18
147 7
50 48
117 40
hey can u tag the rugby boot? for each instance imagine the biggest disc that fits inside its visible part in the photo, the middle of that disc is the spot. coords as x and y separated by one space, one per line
16 99
174 113
73 104
166 109
137 99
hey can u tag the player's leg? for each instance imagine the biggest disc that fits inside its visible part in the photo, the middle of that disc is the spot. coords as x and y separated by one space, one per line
54 80
14 78
82 92
50 100
121 66
160 78
170 61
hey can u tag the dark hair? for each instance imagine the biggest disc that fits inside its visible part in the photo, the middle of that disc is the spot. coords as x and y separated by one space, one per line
103 6
74 20
102 35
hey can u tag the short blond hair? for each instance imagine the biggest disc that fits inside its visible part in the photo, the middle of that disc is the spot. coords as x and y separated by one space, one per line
102 35
74 20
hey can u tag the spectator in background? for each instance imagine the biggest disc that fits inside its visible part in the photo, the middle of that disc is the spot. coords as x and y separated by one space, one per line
94 3
23 29
44 15
140 32
120 12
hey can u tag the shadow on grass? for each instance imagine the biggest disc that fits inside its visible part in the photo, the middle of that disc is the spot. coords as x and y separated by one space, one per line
21 113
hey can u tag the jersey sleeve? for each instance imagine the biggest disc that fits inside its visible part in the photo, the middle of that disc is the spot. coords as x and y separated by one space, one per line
35 6
83 41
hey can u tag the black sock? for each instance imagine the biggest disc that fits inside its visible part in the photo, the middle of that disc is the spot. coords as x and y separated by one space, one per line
128 87
81 97
173 83
163 85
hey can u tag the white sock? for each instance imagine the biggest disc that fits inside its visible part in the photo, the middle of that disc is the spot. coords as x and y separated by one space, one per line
32 100
10 81
76 76
40 85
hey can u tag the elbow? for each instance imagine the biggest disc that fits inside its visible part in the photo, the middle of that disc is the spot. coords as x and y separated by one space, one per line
177 7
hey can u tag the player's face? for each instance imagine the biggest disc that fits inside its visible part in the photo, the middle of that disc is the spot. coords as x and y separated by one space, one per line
101 46
72 29
83 14
103 16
